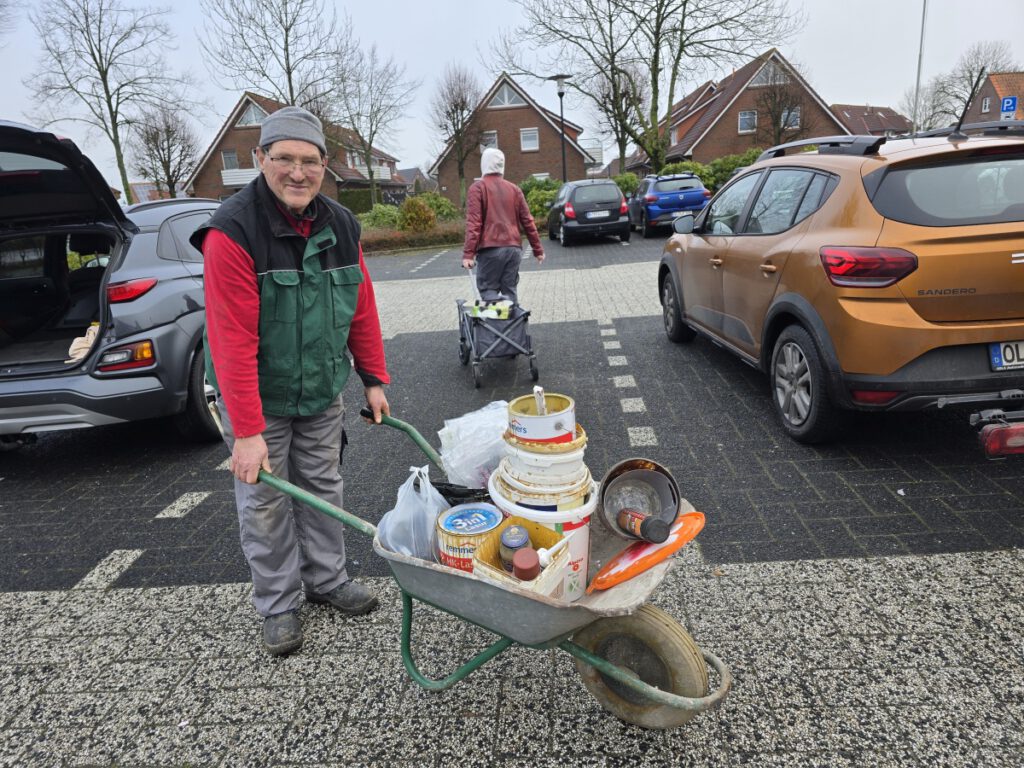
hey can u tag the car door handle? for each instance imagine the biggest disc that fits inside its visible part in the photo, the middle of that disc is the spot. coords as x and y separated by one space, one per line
768 268
716 263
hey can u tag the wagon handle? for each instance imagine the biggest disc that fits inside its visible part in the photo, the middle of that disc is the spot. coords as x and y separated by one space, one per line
410 430
317 503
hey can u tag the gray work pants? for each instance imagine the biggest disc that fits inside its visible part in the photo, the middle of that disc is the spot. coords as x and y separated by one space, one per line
286 543
497 272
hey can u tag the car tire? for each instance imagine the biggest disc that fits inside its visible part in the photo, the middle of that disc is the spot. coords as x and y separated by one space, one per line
552 235
563 235
799 394
196 422
646 230
672 314
624 237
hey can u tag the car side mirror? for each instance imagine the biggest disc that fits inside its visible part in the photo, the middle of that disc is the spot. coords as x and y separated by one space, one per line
683 224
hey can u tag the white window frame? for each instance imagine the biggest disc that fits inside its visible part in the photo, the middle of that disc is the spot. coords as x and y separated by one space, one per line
253 115
224 153
506 97
541 176
523 132
786 123
484 136
739 121
986 104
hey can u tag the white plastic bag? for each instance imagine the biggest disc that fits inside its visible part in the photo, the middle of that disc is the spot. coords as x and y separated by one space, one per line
474 444
409 528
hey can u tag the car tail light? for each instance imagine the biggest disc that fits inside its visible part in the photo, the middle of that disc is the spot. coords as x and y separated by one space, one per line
1002 439
707 193
570 212
650 198
623 209
129 291
874 396
137 355
866 267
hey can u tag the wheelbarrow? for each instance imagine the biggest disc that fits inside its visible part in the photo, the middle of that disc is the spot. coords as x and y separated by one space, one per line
635 660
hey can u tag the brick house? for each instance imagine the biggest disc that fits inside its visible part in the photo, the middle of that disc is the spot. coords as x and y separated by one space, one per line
868 120
529 135
762 103
997 86
230 161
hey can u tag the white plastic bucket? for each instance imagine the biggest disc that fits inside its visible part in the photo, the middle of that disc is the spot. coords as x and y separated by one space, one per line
574 523
551 468
558 425
525 491
556 476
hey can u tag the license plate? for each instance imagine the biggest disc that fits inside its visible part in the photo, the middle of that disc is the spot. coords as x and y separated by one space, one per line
1006 355
598 215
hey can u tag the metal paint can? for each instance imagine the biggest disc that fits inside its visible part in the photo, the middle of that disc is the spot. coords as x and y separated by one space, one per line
558 425
460 529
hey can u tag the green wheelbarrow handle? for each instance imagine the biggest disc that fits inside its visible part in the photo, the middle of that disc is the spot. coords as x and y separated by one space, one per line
317 503
410 430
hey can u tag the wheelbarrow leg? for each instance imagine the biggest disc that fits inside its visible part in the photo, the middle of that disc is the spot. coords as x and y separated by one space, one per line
439 685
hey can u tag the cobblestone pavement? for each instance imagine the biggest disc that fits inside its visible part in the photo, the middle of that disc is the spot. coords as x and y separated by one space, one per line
867 595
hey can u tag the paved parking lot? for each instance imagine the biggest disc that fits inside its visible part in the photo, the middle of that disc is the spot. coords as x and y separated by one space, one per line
867 595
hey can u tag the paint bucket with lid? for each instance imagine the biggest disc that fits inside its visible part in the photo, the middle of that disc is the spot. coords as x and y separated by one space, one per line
461 529
555 422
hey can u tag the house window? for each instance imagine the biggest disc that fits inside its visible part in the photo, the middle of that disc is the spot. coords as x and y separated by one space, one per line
507 97
529 139
253 115
488 139
770 74
986 104
791 118
748 121
542 176
230 159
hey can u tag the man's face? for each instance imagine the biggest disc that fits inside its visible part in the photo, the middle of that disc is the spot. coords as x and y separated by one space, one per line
294 172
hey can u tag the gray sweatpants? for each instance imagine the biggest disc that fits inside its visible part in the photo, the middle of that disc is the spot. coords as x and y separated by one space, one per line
497 272
286 543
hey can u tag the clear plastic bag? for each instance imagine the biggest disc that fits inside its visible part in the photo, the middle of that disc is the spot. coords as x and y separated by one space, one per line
472 445
409 528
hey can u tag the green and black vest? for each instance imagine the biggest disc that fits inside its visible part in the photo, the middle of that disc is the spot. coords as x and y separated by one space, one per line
308 293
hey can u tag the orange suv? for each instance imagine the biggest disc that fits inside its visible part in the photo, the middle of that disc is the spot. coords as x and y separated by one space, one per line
868 275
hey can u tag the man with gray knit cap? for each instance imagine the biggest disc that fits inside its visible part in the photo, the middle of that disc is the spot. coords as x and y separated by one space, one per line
496 211
288 298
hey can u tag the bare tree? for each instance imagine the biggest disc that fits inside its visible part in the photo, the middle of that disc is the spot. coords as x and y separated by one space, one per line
931 110
451 112
955 88
7 19
285 49
783 107
101 64
643 49
616 104
373 94
165 148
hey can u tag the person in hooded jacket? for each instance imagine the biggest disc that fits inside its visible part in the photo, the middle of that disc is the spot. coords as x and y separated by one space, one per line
496 217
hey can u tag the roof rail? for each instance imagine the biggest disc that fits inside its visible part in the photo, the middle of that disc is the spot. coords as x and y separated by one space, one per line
989 128
830 145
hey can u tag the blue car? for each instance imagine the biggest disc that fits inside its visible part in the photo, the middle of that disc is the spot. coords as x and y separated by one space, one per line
659 199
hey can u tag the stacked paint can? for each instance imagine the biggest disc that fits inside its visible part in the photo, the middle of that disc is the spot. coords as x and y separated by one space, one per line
543 478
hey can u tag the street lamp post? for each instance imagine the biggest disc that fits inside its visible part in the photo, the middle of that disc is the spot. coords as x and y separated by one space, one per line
560 81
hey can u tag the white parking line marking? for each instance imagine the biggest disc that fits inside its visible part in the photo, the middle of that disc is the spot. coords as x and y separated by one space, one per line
623 382
429 261
608 332
642 436
617 360
109 569
633 405
183 505
612 344
226 464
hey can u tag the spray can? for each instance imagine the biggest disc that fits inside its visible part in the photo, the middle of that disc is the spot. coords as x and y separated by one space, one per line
643 526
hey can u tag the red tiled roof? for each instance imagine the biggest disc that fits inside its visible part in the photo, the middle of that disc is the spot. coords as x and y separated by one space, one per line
1009 84
865 119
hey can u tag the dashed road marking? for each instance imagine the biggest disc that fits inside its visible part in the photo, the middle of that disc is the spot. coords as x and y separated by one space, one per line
623 382
612 344
429 261
633 405
642 436
183 505
608 332
226 464
617 360
109 569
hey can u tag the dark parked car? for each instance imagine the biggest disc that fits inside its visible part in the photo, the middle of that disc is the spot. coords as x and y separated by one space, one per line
588 208
101 309
659 199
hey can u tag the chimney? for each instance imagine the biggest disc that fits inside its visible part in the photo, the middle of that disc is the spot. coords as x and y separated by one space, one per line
867 109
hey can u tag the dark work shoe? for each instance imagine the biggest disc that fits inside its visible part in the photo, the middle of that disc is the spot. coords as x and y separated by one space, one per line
348 597
282 633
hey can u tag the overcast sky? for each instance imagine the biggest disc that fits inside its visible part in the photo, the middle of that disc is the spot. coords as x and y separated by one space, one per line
854 52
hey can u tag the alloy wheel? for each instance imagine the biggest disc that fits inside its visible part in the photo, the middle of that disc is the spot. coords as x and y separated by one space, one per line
793 384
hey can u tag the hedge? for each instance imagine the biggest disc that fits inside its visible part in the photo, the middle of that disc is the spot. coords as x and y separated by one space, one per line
356 200
383 240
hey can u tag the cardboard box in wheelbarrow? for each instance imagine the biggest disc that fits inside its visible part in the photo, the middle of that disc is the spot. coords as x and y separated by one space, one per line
550 582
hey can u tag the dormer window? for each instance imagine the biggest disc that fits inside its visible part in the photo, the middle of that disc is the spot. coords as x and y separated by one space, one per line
507 97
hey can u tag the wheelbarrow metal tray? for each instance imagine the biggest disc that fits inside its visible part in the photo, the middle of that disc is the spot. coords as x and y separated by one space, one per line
521 615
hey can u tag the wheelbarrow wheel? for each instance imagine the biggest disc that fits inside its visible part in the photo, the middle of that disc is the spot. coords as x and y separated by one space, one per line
463 352
651 645
534 371
476 375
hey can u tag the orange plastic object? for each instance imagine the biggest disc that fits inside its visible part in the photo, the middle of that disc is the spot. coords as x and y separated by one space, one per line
637 558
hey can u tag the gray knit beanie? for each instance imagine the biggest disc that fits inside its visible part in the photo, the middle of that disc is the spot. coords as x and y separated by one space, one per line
292 123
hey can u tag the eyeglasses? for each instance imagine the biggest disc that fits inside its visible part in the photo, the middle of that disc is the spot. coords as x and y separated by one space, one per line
286 164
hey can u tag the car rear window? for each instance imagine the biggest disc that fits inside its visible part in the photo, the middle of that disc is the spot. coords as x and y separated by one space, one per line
598 193
22 257
989 190
674 185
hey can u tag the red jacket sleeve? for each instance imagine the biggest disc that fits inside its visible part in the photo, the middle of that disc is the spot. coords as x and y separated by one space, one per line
364 337
232 329
474 220
527 223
